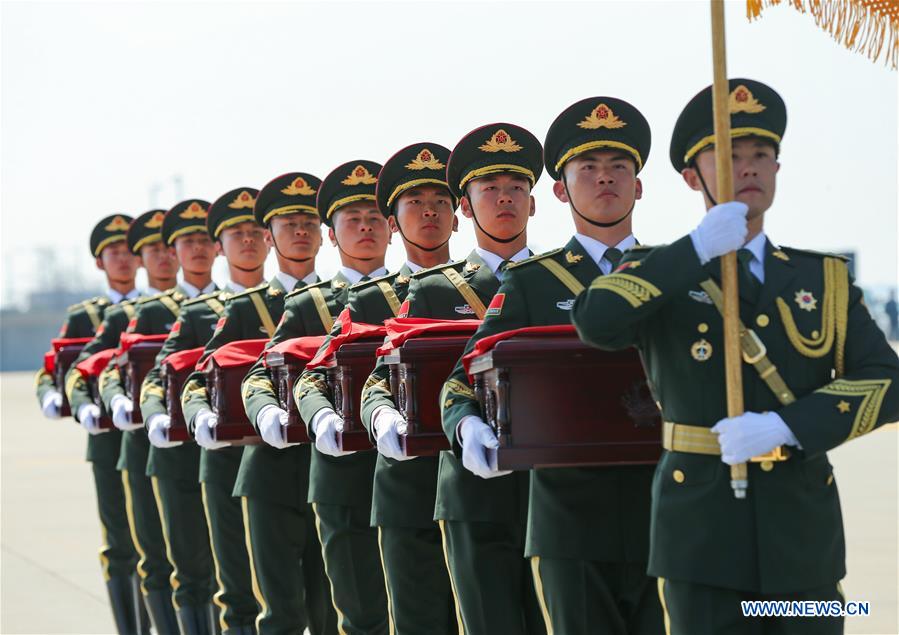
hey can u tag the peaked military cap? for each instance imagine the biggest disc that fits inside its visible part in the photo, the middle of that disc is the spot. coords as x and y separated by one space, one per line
287 194
232 207
418 164
109 230
756 110
145 229
597 123
494 149
187 217
353 181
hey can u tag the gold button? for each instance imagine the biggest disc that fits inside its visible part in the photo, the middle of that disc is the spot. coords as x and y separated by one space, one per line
767 466
762 320
678 476
815 335
830 479
703 327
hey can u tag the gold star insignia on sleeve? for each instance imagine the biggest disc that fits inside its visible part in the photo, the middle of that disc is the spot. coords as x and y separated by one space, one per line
844 407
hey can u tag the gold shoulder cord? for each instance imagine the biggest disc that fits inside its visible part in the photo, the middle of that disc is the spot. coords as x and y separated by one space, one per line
170 304
216 306
321 305
93 314
390 296
129 310
466 291
264 316
563 275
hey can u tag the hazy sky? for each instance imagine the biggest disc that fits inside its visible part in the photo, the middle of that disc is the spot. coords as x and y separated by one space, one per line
103 103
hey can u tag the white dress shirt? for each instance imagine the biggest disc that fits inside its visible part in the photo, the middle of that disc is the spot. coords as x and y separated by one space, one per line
597 249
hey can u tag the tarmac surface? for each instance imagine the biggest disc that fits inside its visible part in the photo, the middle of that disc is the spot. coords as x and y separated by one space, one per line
50 580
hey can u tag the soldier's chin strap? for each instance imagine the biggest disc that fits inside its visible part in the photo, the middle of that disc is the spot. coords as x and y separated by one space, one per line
595 223
414 244
341 250
245 270
278 251
502 241
705 188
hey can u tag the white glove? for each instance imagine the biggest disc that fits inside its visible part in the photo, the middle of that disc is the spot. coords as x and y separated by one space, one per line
204 422
271 421
752 434
722 230
325 424
51 405
388 425
121 413
479 445
89 418
158 426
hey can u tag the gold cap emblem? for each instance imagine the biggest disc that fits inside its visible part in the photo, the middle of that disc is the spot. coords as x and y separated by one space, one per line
155 221
244 200
117 224
360 176
298 187
425 161
741 100
194 210
500 142
601 117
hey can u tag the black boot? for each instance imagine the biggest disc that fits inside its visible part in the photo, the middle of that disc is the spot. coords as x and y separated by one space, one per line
196 620
122 604
137 601
162 614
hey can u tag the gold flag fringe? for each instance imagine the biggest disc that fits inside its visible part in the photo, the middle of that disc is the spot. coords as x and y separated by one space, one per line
866 26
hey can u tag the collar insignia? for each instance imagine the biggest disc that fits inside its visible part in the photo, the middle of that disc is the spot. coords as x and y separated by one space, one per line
339 284
425 161
402 280
472 266
601 117
781 255
500 141
573 258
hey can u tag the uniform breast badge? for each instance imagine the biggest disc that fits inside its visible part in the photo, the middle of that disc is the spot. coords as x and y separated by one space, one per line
701 350
806 300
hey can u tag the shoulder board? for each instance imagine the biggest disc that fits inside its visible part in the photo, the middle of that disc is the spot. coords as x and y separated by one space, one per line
424 272
816 254
147 299
323 283
201 298
537 258
361 285
248 292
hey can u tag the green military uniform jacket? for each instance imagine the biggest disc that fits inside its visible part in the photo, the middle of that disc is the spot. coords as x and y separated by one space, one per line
308 311
193 328
82 320
155 316
102 448
249 315
369 302
787 535
586 513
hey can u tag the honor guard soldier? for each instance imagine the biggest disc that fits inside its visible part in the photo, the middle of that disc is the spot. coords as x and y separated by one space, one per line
412 193
144 239
492 171
160 483
338 488
109 248
241 240
277 536
817 373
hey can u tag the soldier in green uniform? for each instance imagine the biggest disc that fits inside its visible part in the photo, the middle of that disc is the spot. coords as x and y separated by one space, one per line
587 528
109 248
242 241
144 238
413 195
340 488
818 372
492 171
157 487
258 477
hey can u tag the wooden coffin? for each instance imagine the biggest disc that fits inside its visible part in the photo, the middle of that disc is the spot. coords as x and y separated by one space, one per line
173 382
354 363
558 402
65 357
134 364
224 393
418 370
285 371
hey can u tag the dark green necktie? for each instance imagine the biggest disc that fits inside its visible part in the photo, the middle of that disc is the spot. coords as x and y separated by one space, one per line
613 256
747 280
501 270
